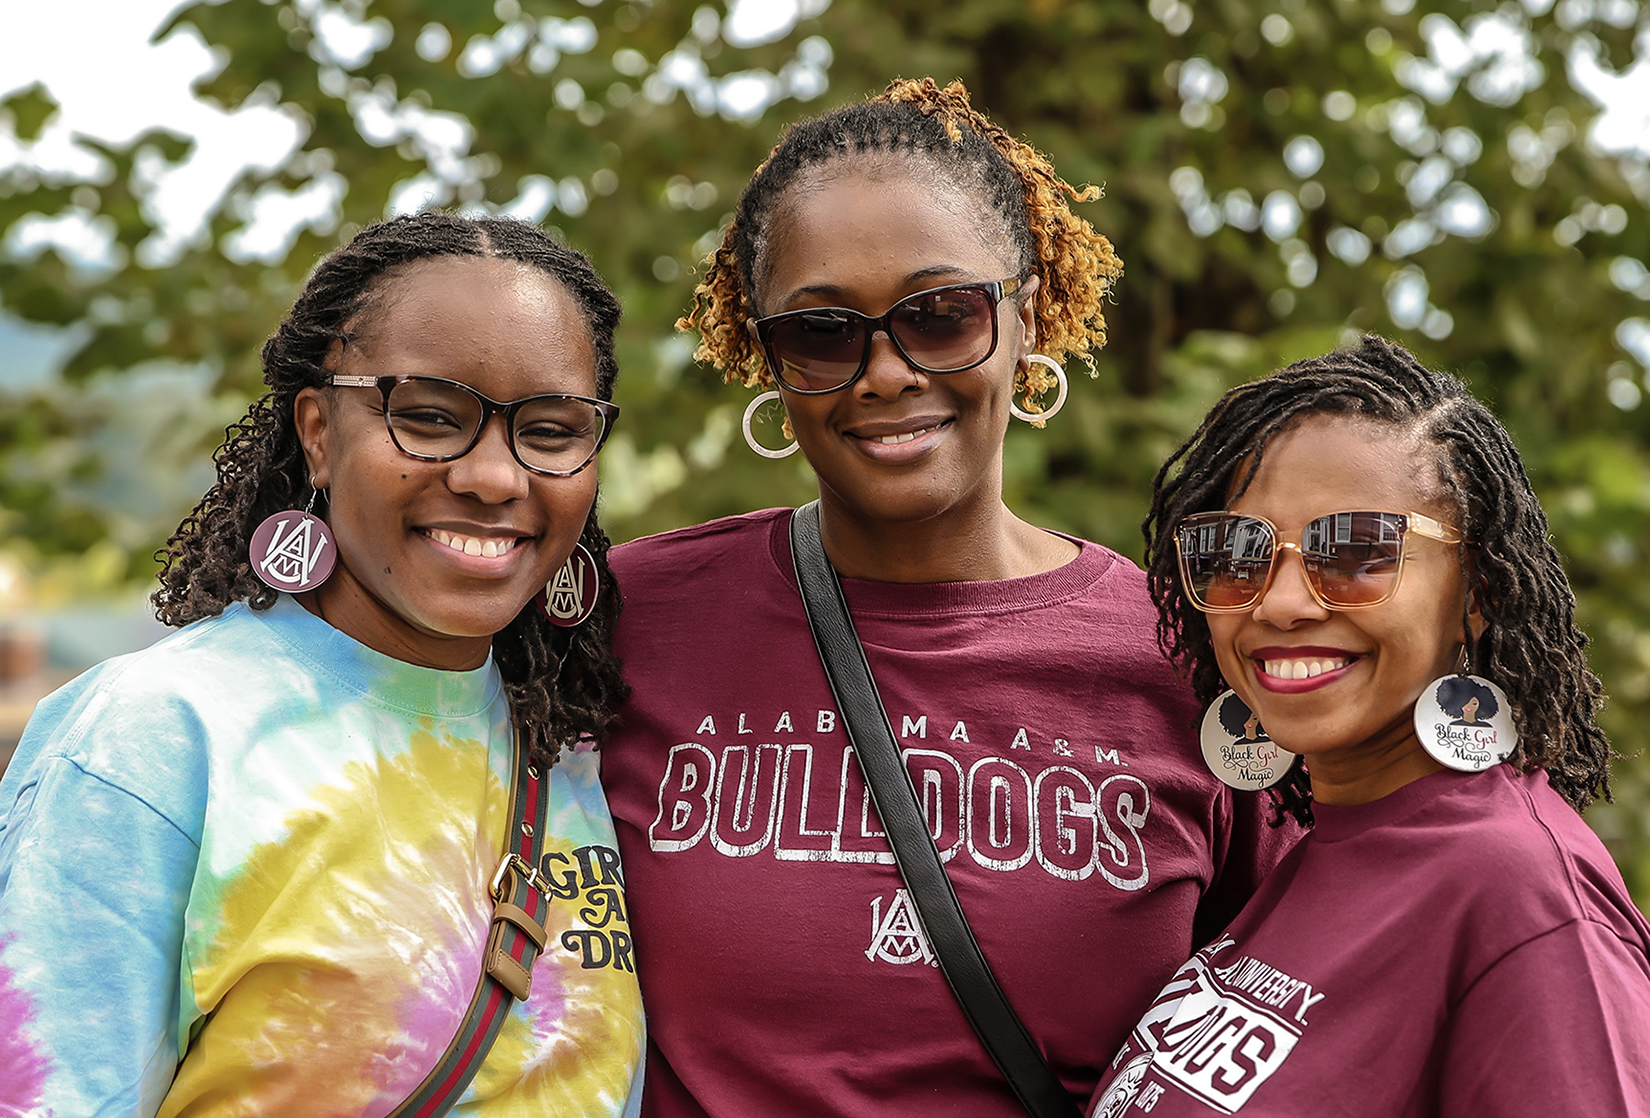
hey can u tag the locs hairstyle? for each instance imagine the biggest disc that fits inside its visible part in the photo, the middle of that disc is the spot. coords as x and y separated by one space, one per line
562 682
1531 646
942 137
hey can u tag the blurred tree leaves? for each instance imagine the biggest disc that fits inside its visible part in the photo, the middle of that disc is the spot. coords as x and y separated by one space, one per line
1280 175
29 109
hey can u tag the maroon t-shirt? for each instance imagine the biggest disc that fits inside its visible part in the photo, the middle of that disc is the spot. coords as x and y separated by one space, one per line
782 967
1462 948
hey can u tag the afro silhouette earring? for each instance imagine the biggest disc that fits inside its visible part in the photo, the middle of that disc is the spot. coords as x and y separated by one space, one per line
293 551
1236 748
1465 723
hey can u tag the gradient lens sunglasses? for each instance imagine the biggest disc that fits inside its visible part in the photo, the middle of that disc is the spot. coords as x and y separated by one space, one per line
941 330
1352 560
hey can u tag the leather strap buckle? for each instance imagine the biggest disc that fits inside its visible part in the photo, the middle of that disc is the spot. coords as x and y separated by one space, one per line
512 923
514 975
523 869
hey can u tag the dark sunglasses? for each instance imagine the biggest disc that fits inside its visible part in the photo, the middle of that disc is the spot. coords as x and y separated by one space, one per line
1352 559
941 330
439 420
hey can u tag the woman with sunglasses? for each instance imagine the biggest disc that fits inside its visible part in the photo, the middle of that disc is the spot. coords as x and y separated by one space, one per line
264 866
1351 549
902 274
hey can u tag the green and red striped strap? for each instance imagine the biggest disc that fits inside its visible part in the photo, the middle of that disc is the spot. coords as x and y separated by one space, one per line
520 905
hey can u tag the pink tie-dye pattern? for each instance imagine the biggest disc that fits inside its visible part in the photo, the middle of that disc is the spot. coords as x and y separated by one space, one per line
22 1068
428 1019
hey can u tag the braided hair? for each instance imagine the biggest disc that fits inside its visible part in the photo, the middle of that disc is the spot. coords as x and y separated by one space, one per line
1531 645
941 132
561 682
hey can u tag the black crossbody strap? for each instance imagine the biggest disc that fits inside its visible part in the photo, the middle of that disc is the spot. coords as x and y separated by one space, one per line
952 940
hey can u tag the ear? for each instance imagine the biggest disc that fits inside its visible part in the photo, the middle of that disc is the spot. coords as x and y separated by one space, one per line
1028 312
1475 615
1475 620
311 415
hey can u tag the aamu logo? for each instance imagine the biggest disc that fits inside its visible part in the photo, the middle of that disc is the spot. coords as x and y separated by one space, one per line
292 551
897 936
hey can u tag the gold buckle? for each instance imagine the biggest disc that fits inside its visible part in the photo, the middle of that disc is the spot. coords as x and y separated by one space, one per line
523 867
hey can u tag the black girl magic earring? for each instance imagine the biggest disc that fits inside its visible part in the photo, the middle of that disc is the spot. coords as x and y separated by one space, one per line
293 551
570 597
1236 747
1464 721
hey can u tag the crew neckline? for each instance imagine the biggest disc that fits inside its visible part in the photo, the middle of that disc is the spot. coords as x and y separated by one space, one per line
870 598
1337 822
377 678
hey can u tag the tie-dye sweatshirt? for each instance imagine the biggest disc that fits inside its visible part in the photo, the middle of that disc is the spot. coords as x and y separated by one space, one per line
245 872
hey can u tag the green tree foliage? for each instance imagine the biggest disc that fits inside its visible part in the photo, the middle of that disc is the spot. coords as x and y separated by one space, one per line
1279 175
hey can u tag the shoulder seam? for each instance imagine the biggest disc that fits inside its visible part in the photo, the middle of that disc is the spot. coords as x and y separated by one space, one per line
126 792
1521 944
1564 861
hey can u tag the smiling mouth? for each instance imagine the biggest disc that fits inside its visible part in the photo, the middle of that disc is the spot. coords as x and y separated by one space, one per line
1305 667
889 440
898 437
488 548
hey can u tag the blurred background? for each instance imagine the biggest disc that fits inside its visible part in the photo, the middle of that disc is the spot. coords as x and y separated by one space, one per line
1469 177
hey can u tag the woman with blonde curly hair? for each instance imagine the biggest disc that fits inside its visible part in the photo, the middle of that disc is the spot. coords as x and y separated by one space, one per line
904 276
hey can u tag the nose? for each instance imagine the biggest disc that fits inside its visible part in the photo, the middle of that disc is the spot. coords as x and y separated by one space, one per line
887 373
489 472
1288 600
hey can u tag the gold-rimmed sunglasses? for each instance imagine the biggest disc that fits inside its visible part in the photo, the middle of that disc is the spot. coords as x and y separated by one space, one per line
1353 560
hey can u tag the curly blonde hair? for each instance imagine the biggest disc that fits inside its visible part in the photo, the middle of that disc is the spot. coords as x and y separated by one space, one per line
916 118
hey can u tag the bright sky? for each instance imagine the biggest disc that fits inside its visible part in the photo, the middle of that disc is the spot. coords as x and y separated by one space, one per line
95 58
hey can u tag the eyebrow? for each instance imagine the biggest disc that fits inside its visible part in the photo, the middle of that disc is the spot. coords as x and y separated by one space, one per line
834 291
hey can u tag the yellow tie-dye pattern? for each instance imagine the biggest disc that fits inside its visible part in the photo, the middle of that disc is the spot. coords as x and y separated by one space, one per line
576 1056
359 932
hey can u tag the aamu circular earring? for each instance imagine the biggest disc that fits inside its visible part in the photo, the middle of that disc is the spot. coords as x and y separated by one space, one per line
293 550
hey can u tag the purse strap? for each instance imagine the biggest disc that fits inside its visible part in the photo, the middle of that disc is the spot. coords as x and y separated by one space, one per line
952 940
521 902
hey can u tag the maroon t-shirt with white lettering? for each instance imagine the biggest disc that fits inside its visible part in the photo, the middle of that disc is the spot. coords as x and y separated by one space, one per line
1462 948
782 968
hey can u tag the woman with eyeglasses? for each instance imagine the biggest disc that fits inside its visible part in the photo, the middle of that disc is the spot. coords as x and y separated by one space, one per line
1351 549
337 846
904 277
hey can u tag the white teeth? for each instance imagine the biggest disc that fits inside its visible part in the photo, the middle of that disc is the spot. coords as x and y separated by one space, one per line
1303 669
472 545
905 438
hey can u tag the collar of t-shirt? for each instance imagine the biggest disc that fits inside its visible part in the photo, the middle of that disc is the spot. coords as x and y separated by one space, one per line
1339 822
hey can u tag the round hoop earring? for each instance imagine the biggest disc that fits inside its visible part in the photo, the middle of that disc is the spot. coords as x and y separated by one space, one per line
750 439
1039 418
